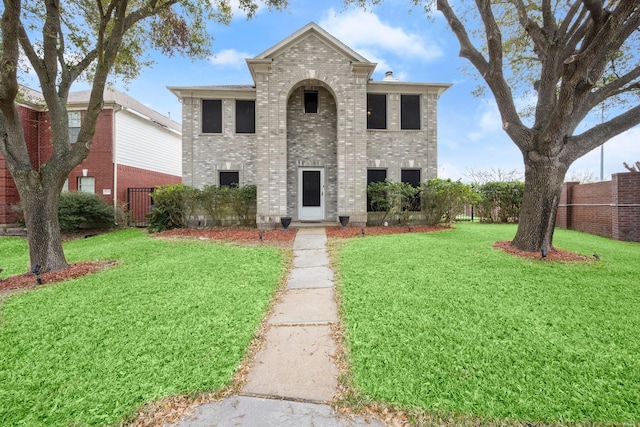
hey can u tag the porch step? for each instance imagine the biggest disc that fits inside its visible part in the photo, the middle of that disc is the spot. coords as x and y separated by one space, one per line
313 224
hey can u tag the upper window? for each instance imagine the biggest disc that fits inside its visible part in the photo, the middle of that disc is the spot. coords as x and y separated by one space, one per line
229 178
211 116
245 116
74 125
410 112
376 111
311 101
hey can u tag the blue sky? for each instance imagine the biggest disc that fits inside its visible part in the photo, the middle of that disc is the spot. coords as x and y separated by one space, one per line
399 39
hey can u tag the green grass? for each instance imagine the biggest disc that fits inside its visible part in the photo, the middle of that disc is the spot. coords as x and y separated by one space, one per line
444 323
175 317
13 256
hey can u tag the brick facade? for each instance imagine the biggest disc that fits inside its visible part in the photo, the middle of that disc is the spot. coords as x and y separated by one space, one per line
100 164
335 141
610 208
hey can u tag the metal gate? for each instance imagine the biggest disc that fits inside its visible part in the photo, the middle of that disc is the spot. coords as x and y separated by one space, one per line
139 202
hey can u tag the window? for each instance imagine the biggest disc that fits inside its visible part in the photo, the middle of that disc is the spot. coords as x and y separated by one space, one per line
412 177
87 184
74 125
376 111
410 112
311 101
65 186
245 116
229 179
211 116
374 175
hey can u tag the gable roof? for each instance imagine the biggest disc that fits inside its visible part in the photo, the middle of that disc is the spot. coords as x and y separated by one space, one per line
263 60
306 31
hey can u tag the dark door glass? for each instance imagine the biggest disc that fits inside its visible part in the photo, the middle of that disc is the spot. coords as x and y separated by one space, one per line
311 188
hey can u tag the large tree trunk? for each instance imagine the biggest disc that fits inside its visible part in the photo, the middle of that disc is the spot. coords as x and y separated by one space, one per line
543 184
40 199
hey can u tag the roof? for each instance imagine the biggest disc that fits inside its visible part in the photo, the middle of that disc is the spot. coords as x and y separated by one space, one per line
311 29
306 31
112 97
230 91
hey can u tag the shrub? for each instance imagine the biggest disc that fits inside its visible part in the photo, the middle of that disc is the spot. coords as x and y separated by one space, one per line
79 209
443 199
394 199
214 201
500 201
172 206
242 200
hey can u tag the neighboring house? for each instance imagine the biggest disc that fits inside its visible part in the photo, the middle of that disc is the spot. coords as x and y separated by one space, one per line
311 132
133 146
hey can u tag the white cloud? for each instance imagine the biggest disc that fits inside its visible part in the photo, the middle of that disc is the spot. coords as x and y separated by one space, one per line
363 30
489 121
623 148
229 58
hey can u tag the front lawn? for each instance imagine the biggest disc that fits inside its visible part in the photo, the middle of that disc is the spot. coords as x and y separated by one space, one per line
444 323
174 317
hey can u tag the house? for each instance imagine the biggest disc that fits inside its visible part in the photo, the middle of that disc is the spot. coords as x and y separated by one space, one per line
133 146
311 131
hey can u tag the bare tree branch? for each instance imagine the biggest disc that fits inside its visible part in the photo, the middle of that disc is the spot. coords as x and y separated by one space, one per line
532 28
599 134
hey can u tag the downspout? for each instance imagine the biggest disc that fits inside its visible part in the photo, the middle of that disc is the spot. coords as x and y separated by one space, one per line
114 145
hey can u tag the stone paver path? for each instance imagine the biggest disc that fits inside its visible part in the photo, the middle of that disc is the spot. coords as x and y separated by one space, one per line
297 360
294 376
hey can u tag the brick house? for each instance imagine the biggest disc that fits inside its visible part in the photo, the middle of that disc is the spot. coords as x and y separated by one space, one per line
311 131
133 146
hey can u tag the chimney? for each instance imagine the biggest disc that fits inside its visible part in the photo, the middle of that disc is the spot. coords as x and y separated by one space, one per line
388 77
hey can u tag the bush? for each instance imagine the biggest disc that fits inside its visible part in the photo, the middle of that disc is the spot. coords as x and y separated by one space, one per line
214 202
395 199
443 199
79 209
243 199
500 201
172 205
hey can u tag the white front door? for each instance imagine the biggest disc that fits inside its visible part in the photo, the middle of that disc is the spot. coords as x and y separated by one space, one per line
311 194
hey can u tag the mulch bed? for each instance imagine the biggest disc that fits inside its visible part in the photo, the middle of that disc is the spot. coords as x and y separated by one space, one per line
28 280
374 231
242 235
552 255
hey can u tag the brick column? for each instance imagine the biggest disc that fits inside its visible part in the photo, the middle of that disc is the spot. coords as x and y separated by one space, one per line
626 206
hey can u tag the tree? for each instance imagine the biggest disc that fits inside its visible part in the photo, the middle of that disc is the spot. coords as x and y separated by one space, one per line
479 177
580 54
572 57
64 42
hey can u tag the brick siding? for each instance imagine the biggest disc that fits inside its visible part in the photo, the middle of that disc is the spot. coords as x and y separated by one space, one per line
286 139
610 208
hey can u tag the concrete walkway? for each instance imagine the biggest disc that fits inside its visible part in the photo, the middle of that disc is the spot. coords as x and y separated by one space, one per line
294 376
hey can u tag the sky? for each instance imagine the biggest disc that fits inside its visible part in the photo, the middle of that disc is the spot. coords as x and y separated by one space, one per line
398 38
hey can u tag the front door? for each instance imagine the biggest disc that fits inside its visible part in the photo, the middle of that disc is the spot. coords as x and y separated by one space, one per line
311 194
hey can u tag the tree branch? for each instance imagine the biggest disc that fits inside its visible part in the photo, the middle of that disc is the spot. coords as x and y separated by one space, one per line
539 40
598 135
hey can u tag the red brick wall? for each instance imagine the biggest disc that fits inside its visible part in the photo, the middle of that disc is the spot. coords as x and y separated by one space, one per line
129 176
626 218
8 191
610 208
99 164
